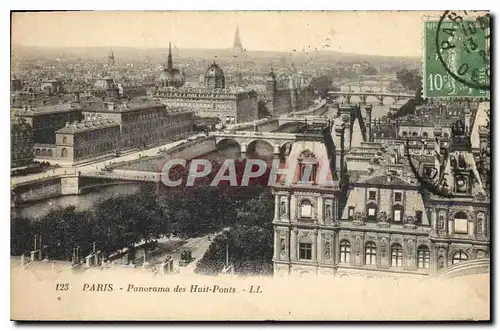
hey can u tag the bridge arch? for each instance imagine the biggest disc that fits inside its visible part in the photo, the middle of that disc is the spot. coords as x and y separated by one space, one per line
371 99
290 127
260 148
231 147
388 100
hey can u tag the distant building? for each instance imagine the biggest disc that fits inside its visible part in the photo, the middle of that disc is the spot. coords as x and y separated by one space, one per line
21 142
170 76
288 95
214 100
15 84
45 120
111 59
52 87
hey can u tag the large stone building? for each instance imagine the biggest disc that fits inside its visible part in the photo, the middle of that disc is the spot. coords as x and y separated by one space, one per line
86 140
214 100
287 94
46 119
143 124
374 218
21 142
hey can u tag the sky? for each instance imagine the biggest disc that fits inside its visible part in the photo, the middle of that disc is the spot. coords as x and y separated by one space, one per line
389 33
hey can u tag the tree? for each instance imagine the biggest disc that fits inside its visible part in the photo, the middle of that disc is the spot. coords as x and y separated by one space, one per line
322 84
21 235
250 251
410 79
369 70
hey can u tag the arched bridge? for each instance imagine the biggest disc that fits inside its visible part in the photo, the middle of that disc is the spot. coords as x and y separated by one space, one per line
364 95
470 267
312 120
276 140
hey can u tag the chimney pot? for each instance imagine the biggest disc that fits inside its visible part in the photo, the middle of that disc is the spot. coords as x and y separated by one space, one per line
67 124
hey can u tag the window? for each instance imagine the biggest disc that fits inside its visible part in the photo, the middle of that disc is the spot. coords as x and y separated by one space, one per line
372 195
345 251
396 255
371 211
418 217
64 139
459 257
306 209
398 197
370 253
305 248
423 257
351 212
397 215
308 166
460 222
64 153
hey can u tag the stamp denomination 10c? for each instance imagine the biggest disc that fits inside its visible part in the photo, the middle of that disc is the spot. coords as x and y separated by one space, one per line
457 57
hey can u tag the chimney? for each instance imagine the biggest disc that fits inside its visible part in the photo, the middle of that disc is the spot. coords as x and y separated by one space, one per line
467 121
77 96
369 126
111 106
67 124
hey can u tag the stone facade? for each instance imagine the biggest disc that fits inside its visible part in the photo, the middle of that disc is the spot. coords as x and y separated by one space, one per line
21 142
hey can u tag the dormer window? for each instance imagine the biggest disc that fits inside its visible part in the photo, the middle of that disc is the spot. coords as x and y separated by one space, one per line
397 213
372 195
307 167
371 211
398 197
350 214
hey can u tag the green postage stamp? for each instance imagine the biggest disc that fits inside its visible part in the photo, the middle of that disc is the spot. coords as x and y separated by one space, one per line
457 56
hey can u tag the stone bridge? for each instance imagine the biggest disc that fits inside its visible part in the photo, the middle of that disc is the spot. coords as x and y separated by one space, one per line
312 120
276 140
364 96
470 267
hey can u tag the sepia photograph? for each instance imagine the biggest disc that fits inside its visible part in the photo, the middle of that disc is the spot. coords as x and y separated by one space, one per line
250 166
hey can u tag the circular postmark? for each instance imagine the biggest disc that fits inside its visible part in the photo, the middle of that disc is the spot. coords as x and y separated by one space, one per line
463 47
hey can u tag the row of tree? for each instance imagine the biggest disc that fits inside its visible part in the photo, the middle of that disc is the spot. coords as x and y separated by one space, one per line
121 221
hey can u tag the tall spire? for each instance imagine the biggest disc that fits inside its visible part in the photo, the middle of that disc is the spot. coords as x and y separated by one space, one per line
170 64
111 57
237 46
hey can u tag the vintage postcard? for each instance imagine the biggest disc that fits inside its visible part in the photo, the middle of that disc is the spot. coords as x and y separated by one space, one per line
250 166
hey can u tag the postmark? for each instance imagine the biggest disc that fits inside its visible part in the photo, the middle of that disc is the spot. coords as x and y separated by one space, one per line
457 56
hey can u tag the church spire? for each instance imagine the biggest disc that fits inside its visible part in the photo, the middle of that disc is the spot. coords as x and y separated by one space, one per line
111 57
170 64
237 46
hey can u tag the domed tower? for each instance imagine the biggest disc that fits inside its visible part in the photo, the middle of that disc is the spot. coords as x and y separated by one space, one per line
214 77
170 76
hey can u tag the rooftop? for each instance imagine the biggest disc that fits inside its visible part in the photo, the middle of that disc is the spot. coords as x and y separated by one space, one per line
83 126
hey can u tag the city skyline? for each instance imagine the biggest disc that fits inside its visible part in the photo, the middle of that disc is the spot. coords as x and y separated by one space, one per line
368 33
